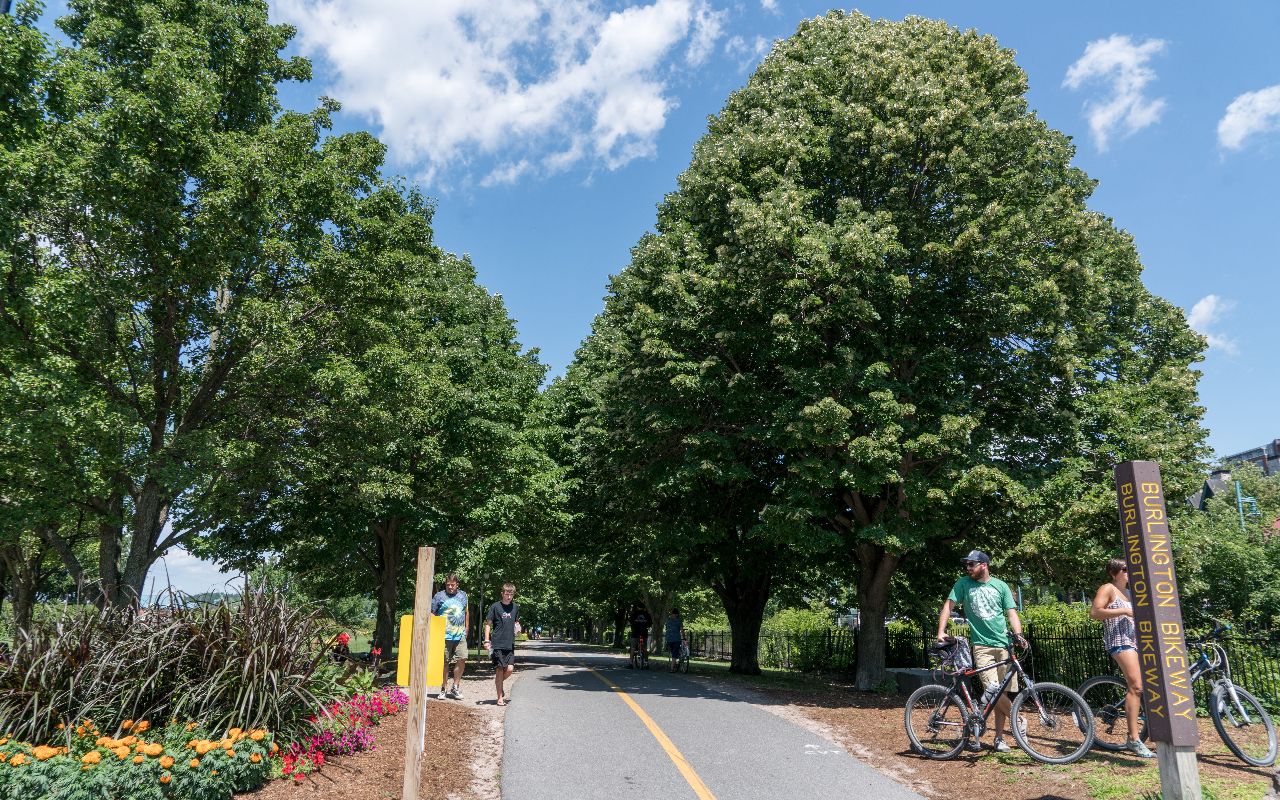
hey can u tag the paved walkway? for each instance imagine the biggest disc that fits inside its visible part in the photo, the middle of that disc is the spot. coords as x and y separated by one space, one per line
570 735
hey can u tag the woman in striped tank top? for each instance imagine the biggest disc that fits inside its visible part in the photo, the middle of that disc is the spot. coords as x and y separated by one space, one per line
1111 605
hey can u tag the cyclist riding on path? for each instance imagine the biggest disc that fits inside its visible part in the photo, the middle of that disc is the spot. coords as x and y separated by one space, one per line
987 602
640 622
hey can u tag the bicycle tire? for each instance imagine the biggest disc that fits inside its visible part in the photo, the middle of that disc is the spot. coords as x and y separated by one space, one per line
1220 704
1062 734
937 728
1105 695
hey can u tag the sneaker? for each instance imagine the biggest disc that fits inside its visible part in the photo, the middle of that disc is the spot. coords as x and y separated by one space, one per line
999 746
455 694
1139 749
973 746
442 695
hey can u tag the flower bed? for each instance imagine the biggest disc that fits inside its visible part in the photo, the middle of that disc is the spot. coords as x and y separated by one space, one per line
343 728
137 762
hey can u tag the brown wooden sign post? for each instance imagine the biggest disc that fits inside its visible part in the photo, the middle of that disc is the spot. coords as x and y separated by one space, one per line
416 733
1157 616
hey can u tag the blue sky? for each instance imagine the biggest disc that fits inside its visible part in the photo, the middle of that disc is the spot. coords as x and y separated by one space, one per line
549 130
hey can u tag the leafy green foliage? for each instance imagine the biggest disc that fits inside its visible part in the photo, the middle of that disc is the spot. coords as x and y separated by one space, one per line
877 319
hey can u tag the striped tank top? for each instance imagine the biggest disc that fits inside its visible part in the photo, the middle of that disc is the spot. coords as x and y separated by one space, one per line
1118 631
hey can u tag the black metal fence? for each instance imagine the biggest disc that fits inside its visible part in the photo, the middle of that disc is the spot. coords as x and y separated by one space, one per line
1067 654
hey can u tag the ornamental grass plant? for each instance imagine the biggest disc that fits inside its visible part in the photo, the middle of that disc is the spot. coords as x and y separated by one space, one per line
256 661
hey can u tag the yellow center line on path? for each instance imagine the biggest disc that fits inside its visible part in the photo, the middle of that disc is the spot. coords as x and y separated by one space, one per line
699 788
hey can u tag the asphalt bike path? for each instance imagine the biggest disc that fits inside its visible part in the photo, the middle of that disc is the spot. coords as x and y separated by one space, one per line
580 726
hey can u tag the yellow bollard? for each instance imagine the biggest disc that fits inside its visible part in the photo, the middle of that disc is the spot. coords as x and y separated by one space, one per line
435 652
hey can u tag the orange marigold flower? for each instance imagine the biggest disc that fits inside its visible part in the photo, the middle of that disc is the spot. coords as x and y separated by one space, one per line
3 757
255 758
153 749
141 726
61 725
225 744
274 748
121 752
234 733
92 757
191 726
203 747
231 753
257 735
44 752
126 725
213 772
129 741
18 759
165 778
193 763
138 759
166 762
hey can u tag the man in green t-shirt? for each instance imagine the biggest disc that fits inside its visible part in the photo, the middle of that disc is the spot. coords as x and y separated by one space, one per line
987 602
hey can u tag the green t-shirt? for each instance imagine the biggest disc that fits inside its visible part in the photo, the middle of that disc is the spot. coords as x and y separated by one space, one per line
985 605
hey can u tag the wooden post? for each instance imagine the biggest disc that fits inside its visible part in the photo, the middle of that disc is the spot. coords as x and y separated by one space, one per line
416 732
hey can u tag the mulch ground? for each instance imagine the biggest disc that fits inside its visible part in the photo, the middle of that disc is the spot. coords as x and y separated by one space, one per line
460 762
870 727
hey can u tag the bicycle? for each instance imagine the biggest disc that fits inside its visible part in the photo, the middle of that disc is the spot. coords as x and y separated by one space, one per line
1052 724
680 658
1242 723
639 652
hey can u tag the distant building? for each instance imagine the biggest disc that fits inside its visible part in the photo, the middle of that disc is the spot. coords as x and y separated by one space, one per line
1265 458
1219 482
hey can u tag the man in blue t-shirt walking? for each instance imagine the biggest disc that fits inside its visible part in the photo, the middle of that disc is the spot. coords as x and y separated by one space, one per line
452 603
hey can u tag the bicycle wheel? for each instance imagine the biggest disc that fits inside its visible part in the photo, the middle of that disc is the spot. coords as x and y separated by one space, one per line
935 722
1246 729
1105 695
1055 725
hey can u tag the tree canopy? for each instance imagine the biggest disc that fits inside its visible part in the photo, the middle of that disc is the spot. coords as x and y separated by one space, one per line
877 320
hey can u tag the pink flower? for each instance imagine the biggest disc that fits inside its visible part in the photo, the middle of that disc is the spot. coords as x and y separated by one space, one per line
376 651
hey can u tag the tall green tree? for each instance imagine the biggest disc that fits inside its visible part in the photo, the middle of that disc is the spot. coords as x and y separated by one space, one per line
180 219
864 325
412 428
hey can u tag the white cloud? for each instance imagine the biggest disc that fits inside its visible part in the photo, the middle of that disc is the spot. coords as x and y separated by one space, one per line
747 53
1250 113
537 84
769 5
1122 65
1205 315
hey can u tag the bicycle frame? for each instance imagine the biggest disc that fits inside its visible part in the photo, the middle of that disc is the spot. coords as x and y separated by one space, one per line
1219 672
961 687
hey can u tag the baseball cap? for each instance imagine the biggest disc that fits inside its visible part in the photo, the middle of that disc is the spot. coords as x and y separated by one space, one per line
977 555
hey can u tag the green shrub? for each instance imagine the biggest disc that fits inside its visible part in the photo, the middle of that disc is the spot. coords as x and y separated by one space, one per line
798 620
257 662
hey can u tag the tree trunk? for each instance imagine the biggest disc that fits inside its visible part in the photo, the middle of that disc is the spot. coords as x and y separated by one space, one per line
110 532
620 626
151 512
659 606
24 581
744 598
387 575
875 569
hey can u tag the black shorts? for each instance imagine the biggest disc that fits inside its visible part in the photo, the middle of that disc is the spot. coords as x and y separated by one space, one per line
674 647
503 658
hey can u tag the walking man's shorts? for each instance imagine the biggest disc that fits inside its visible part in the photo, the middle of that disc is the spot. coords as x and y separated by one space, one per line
455 650
504 658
